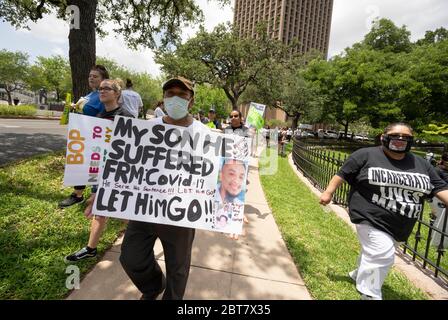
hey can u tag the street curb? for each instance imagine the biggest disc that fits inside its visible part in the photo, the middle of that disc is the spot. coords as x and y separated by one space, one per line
30 118
435 288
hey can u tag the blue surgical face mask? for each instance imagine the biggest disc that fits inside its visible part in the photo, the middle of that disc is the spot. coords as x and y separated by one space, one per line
176 107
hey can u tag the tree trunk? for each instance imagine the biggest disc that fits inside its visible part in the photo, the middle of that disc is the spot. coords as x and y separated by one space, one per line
82 44
233 99
234 105
295 121
346 129
8 93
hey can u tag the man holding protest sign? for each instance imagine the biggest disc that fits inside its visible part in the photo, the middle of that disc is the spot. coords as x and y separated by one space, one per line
137 251
162 176
109 92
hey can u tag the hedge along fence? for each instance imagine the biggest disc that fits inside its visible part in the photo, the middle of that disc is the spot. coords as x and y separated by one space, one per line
319 165
22 110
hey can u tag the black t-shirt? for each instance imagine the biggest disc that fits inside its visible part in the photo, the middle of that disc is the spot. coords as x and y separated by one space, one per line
242 131
116 112
386 193
443 174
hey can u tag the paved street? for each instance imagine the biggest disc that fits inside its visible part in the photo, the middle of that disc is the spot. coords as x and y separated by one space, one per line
22 138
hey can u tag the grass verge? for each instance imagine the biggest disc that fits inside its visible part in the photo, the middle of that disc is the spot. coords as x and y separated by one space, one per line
36 235
323 246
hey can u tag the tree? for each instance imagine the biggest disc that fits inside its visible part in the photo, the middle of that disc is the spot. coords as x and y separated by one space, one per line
427 68
115 70
301 98
149 88
147 23
206 97
36 79
360 84
282 86
386 36
55 69
223 59
13 71
440 34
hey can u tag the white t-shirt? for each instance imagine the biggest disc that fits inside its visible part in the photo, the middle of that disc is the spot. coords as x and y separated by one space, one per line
159 112
195 126
131 101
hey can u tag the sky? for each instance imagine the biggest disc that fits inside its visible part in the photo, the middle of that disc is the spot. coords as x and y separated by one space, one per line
351 21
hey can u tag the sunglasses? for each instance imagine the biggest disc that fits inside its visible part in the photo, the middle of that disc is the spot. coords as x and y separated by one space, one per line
400 137
234 116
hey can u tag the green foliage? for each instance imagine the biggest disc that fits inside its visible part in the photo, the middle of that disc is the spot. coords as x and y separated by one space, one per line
21 110
440 34
149 88
386 36
385 79
207 97
274 123
223 59
437 129
147 23
13 70
56 73
36 78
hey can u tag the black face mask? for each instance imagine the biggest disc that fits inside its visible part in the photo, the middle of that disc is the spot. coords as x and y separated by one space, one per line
388 143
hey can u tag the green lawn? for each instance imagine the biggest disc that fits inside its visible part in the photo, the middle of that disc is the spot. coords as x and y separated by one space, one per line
323 246
36 235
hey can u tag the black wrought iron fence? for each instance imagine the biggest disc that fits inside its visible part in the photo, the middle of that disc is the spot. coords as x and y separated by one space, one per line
319 165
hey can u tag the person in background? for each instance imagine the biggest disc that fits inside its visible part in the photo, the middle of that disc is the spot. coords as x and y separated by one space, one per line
289 134
213 122
266 132
388 187
92 106
130 100
158 112
236 125
202 118
110 91
282 141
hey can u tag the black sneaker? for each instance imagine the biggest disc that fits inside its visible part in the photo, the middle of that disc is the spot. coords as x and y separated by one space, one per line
73 199
84 253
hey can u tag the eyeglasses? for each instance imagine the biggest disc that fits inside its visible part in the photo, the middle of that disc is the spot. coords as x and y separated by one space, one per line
107 89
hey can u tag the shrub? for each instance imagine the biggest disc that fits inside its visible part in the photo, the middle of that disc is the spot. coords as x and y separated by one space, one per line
22 110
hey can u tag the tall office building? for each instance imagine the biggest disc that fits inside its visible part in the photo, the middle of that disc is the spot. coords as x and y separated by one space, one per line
308 21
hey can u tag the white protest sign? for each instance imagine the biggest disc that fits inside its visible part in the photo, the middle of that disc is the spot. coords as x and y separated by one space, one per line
188 177
87 140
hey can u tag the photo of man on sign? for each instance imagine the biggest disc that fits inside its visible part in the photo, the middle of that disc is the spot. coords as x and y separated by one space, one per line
231 186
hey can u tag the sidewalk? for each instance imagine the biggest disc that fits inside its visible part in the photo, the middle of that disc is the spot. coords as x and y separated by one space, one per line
257 266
